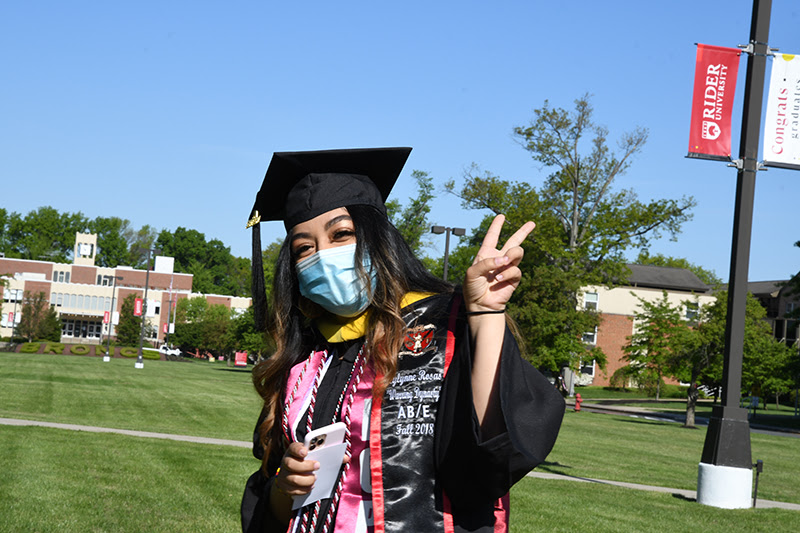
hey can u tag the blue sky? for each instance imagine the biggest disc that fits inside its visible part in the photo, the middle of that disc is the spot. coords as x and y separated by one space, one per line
167 113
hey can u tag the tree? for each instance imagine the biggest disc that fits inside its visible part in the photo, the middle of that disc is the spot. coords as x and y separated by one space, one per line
709 277
4 238
211 263
139 242
659 334
113 241
412 221
584 226
45 234
245 337
38 321
130 326
189 314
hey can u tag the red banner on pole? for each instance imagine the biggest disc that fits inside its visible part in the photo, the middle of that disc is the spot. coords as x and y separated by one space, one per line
137 307
241 359
712 102
11 319
164 329
106 317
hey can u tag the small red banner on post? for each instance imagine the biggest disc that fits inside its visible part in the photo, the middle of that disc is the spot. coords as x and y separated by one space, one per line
164 329
712 102
106 317
241 359
137 307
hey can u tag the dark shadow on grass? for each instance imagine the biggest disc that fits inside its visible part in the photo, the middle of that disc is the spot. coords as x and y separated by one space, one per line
552 468
682 497
631 420
234 369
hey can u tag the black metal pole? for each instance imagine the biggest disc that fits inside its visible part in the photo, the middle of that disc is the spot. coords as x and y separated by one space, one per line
139 361
111 315
728 438
446 250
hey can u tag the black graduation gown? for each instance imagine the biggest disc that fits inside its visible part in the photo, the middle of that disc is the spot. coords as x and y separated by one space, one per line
474 472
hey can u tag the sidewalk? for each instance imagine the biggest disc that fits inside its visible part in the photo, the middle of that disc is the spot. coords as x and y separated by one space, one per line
128 432
689 494
610 408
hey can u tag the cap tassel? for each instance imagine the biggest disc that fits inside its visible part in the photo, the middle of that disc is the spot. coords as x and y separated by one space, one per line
258 291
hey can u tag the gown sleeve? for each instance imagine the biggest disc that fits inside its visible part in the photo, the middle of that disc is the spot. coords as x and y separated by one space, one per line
256 515
475 472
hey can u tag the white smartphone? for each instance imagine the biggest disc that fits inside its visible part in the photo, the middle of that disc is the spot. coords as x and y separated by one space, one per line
325 445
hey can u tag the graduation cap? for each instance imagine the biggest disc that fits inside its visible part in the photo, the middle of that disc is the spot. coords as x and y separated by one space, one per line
299 186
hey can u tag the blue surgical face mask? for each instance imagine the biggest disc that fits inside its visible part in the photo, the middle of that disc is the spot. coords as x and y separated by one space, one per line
329 278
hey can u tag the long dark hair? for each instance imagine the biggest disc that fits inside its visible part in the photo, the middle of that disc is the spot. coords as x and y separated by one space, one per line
397 272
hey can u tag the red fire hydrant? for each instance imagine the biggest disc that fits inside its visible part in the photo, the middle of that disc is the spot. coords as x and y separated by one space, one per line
578 401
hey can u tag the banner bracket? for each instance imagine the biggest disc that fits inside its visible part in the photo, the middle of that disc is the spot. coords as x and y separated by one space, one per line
749 49
739 164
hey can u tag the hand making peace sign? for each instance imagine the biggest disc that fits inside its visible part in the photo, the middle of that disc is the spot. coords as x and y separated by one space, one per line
495 274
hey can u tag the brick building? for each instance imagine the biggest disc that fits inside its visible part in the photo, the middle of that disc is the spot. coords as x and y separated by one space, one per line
617 307
82 293
778 300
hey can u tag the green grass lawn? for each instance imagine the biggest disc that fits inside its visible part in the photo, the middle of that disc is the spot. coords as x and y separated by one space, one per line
71 481
187 398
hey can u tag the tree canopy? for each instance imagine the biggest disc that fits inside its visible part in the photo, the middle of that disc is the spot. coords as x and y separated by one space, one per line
584 225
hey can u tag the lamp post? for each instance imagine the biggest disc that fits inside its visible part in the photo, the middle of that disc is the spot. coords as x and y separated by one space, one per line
14 318
107 357
139 360
442 229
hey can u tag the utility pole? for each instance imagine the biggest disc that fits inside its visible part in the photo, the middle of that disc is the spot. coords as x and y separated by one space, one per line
725 473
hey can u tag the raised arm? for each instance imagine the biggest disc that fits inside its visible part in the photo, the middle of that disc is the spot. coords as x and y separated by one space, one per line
488 285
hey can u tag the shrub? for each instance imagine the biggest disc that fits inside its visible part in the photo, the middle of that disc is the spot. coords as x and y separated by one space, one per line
127 351
30 347
54 347
151 354
79 349
674 391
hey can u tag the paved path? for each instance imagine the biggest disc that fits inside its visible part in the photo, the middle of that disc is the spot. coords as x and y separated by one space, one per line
689 494
130 433
641 412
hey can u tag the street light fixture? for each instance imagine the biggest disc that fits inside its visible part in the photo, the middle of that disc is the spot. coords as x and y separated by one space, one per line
442 229
107 357
139 360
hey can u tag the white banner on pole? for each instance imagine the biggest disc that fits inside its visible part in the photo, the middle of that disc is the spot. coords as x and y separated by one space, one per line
782 126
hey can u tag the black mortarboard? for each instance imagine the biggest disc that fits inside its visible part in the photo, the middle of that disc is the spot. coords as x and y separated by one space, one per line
299 186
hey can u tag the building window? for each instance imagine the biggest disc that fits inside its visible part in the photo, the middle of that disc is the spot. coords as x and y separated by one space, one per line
790 307
60 300
692 311
12 295
73 298
590 304
587 368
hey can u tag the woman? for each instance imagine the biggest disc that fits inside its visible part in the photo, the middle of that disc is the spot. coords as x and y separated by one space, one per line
442 414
